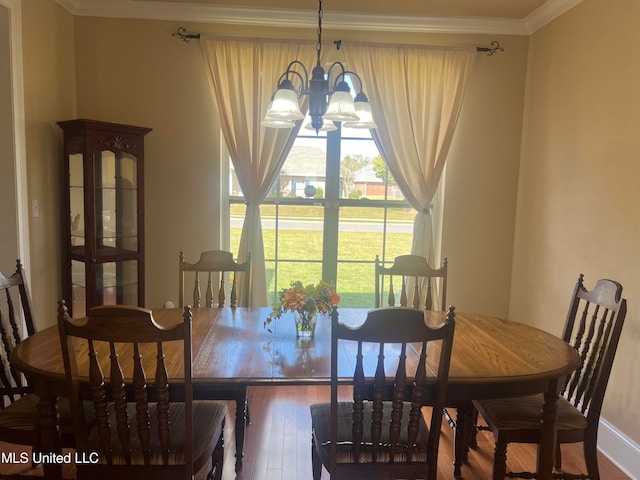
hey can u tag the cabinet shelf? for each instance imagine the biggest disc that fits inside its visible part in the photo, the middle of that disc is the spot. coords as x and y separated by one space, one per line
103 244
79 253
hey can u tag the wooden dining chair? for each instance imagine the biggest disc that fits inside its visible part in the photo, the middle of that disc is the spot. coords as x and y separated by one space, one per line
593 327
218 264
19 419
147 426
211 263
411 270
371 436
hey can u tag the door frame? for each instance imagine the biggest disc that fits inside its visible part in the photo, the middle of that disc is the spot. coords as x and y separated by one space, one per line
19 130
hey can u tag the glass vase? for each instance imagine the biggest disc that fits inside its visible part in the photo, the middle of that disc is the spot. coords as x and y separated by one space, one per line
305 325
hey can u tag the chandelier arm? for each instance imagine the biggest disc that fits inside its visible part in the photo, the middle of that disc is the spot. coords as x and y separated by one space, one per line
339 76
303 79
290 69
353 74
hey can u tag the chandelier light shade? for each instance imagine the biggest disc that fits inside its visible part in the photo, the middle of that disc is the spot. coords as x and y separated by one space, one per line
341 106
363 110
329 95
276 121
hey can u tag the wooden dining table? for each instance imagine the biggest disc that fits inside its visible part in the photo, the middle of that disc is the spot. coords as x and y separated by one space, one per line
233 350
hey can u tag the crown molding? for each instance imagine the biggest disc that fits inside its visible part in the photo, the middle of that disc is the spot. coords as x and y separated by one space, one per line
277 17
549 11
72 6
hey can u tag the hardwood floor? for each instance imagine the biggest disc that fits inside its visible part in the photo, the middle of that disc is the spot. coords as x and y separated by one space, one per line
278 444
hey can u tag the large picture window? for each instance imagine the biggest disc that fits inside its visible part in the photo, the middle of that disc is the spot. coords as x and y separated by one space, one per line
332 209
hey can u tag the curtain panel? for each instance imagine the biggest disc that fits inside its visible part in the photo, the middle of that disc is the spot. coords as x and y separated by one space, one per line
416 95
243 76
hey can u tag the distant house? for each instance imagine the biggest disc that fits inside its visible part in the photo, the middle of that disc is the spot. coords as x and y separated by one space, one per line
306 166
371 186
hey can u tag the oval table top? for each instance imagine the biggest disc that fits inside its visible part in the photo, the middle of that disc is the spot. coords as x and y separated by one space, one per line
491 357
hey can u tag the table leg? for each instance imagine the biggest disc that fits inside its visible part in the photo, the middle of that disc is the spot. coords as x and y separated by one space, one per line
241 423
49 435
547 445
462 432
236 393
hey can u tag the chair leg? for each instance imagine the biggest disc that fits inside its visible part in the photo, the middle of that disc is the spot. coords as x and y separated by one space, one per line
316 463
432 474
591 459
462 436
558 460
473 441
217 460
500 461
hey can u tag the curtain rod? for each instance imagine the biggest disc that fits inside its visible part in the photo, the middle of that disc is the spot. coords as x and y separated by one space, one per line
181 33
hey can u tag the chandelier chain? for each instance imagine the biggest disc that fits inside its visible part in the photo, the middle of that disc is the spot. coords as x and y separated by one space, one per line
319 44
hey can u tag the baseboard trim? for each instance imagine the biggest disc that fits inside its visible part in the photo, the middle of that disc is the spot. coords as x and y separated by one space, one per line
620 449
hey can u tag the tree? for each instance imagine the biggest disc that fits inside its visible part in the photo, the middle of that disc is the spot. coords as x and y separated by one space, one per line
380 168
349 168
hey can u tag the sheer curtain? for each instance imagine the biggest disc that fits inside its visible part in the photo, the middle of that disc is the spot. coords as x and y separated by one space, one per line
243 75
416 95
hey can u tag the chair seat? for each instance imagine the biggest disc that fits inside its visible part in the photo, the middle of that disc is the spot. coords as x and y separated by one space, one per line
523 413
21 414
321 427
208 416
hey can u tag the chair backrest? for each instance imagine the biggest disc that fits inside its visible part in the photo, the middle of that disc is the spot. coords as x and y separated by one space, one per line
412 271
128 343
16 323
593 327
215 262
404 351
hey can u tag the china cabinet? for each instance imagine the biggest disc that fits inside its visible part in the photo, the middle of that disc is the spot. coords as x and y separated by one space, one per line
103 220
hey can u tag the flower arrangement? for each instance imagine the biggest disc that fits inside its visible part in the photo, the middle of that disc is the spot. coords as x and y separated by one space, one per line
305 302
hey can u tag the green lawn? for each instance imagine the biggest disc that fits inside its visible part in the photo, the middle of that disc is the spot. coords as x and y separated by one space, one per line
316 211
304 248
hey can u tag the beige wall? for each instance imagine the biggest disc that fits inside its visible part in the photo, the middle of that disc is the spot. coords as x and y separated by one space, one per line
481 185
49 96
578 199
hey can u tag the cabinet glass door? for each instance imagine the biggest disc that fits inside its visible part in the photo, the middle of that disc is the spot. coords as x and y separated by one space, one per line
117 282
76 194
77 231
116 203
116 211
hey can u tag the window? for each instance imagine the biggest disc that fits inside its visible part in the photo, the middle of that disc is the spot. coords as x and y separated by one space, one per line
332 209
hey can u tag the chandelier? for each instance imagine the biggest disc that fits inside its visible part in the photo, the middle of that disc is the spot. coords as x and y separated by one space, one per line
330 97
